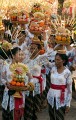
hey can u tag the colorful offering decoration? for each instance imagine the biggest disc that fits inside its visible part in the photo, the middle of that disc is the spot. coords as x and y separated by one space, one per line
62 36
6 45
1 24
37 23
19 17
23 16
36 8
18 74
18 83
62 39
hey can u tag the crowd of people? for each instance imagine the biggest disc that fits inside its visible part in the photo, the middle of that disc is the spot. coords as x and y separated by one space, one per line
50 71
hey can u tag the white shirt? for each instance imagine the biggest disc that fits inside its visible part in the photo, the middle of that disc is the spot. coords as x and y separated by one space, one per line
7 77
1 66
60 79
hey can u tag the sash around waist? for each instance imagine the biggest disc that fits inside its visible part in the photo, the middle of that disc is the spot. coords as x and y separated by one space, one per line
58 87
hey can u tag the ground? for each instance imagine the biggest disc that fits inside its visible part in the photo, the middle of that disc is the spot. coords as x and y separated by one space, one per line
70 116
43 115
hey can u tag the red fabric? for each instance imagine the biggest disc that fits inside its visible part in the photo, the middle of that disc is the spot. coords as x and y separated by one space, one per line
70 10
18 111
43 70
59 87
63 10
40 81
70 59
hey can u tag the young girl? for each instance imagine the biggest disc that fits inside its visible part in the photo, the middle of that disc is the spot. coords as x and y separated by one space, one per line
9 111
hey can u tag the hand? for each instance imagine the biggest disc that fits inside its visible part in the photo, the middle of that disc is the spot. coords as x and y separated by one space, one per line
67 109
72 68
29 75
31 86
7 83
47 64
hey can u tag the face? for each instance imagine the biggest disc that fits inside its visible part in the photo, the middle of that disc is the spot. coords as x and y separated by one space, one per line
33 47
58 61
19 56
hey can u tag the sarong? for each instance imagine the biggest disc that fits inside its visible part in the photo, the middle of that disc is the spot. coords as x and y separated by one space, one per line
56 114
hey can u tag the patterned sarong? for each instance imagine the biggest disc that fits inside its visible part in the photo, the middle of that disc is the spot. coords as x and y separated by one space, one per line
56 114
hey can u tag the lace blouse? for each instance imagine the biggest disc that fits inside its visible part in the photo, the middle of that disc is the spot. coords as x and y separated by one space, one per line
63 78
7 77
71 56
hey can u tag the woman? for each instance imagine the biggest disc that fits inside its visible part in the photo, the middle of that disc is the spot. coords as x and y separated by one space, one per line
9 111
49 45
70 52
74 60
60 92
1 85
30 112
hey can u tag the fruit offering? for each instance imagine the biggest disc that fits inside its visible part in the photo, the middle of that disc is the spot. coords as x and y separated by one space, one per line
17 83
37 23
13 14
1 24
36 8
23 17
18 74
6 45
42 51
62 39
35 28
62 36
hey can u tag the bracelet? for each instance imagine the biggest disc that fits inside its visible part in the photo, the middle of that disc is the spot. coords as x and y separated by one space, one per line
31 86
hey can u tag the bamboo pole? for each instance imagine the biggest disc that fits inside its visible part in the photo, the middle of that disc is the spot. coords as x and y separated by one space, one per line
33 52
36 55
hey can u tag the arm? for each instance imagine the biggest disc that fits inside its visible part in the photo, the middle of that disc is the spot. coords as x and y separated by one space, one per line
29 75
69 90
46 45
45 40
50 65
74 60
4 76
31 85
